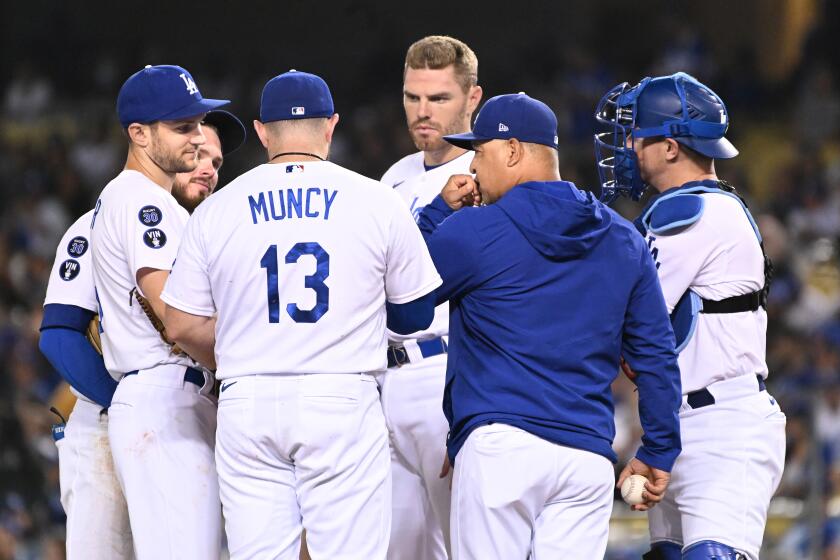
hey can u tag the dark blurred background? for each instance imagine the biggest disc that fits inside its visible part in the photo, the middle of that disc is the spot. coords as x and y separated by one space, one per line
774 63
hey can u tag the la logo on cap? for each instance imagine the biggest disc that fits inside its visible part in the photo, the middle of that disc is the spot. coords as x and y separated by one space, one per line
154 94
192 89
298 110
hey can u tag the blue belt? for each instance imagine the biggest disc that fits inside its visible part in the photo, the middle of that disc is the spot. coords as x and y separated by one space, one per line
193 375
702 397
398 356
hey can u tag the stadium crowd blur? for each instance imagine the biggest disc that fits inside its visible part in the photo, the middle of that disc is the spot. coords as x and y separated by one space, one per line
57 151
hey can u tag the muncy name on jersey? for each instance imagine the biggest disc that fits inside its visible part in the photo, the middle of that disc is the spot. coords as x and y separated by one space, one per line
286 204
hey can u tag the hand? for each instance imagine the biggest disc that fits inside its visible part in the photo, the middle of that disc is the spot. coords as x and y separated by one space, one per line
444 470
460 191
655 486
628 371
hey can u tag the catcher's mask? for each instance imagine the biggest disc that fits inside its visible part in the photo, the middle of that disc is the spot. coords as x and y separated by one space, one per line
675 106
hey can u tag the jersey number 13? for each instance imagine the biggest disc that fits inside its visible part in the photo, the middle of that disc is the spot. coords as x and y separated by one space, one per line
313 281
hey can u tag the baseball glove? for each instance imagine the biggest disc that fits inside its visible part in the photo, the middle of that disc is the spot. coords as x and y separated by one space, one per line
146 306
92 334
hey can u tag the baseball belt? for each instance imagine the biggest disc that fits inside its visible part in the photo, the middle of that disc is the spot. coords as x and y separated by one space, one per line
398 356
191 375
703 397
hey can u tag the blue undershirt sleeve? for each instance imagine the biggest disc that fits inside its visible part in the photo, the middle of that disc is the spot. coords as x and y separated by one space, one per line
64 344
416 315
648 346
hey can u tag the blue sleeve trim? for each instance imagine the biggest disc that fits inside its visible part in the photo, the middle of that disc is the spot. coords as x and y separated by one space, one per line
79 364
671 213
416 315
67 316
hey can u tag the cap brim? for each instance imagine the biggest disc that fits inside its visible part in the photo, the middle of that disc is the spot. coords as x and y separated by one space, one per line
197 108
232 133
715 148
463 140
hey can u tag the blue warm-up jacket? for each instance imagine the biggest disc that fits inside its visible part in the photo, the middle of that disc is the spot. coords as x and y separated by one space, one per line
547 288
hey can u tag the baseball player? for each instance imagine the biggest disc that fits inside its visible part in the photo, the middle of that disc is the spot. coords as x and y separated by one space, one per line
536 332
666 132
440 94
297 258
162 416
225 134
97 516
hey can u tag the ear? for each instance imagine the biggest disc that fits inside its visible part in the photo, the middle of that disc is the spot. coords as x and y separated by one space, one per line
139 134
332 122
672 149
515 152
474 98
261 133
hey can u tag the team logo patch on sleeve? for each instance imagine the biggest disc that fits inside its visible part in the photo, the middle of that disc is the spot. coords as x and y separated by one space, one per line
150 215
69 269
154 238
77 247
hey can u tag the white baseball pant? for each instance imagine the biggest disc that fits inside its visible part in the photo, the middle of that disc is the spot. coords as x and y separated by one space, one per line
97 515
161 431
304 451
412 397
733 454
516 495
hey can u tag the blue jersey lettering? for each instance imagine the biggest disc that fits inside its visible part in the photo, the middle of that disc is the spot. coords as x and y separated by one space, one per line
291 203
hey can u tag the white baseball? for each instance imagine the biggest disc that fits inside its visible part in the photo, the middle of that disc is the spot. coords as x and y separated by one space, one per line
632 488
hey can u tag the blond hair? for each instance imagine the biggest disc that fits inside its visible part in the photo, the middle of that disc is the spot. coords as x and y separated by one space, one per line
436 52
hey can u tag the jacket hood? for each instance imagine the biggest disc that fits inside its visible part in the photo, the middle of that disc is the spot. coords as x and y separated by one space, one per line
558 220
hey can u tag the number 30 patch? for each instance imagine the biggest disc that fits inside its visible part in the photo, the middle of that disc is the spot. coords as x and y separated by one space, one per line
77 247
150 215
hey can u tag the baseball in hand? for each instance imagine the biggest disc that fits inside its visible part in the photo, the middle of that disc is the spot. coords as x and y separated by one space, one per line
632 488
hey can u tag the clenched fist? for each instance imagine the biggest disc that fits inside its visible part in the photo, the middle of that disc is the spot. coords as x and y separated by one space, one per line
460 191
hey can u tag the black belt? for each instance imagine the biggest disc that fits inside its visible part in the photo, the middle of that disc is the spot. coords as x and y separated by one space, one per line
192 375
398 356
702 397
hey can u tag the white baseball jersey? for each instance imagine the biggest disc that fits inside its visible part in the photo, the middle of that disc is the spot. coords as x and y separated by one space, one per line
71 278
717 257
418 188
136 224
298 259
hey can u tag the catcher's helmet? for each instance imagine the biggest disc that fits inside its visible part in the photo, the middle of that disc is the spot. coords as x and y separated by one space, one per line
675 106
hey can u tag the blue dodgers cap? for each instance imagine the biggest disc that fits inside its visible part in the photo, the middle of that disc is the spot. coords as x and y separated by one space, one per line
295 95
514 115
161 93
